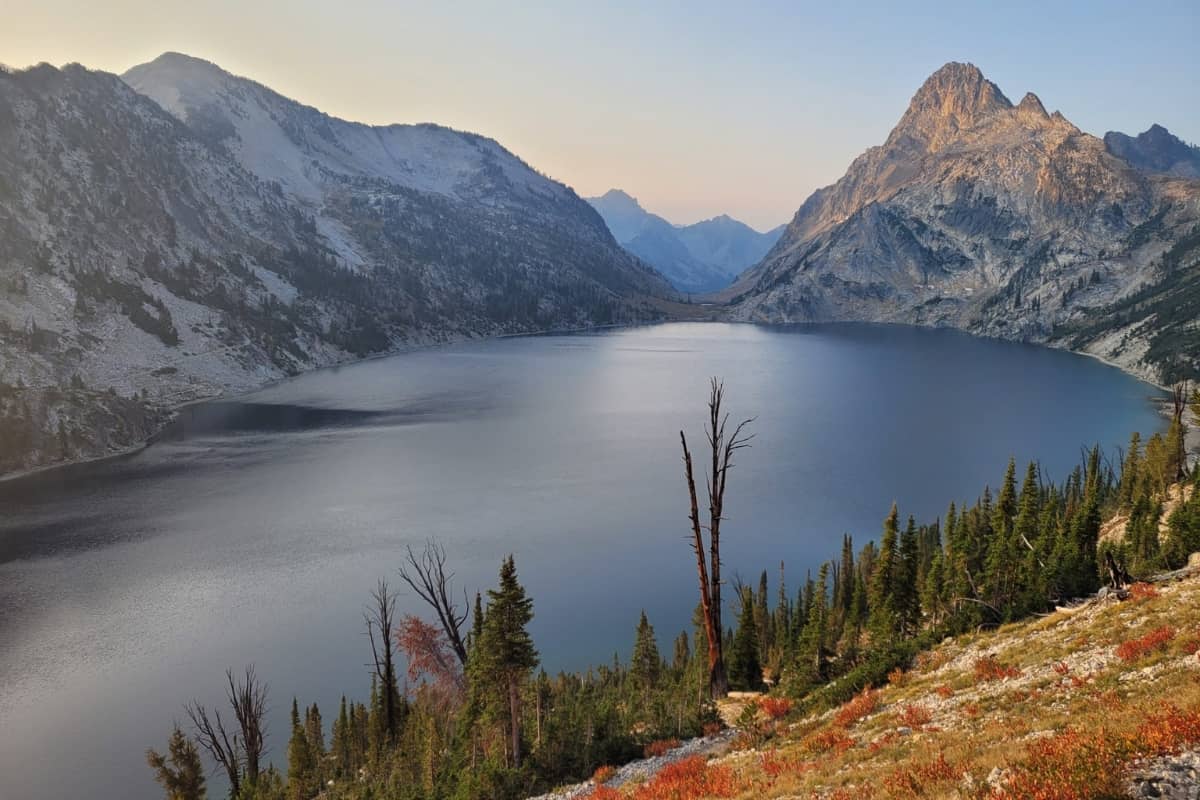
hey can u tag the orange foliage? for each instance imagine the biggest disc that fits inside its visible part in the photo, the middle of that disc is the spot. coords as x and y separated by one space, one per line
896 677
914 716
689 779
944 691
660 747
861 706
830 740
711 728
988 668
917 780
1080 765
604 793
1142 591
603 774
775 707
1136 649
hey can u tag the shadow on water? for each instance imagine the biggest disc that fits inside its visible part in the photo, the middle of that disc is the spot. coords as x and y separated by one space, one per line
231 417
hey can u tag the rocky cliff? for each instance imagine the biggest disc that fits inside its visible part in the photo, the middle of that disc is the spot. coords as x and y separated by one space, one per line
998 218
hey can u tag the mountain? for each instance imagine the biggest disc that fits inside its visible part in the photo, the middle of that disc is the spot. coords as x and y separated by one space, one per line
1156 151
997 218
211 235
702 257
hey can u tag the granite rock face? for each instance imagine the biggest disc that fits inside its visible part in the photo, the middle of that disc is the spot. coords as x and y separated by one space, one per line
976 213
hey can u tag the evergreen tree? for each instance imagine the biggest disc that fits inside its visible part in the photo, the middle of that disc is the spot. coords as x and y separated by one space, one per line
745 670
884 616
811 653
180 771
506 651
300 764
905 589
645 666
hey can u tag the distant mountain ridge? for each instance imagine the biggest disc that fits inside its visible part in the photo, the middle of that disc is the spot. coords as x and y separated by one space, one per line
1156 151
185 232
701 257
999 219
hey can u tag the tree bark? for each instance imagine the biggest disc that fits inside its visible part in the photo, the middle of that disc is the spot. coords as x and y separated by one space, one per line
514 707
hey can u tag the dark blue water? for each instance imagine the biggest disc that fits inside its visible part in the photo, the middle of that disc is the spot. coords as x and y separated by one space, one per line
253 531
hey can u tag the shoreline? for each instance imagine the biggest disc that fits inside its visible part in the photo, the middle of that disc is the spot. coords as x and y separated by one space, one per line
174 409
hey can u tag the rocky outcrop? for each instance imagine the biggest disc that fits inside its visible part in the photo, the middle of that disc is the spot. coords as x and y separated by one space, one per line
996 218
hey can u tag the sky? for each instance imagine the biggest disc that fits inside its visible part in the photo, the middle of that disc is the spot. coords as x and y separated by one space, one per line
695 108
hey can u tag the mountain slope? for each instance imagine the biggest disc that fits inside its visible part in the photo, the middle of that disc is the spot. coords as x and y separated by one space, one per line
701 257
148 261
1156 151
996 218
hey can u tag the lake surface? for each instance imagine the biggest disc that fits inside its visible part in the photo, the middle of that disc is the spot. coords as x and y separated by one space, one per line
254 530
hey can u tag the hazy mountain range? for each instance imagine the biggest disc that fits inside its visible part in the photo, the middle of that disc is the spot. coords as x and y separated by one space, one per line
1000 219
179 232
702 257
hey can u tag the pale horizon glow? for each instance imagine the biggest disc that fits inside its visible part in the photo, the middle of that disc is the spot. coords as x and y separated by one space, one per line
697 109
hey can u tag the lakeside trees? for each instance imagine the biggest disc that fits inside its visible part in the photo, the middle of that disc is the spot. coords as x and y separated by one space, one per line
491 725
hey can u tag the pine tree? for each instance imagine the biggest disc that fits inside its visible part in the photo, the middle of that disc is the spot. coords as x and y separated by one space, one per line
905 589
745 670
884 616
506 651
811 653
300 765
645 666
179 772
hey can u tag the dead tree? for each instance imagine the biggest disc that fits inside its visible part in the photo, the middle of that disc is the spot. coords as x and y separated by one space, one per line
239 753
722 446
1179 404
380 619
426 575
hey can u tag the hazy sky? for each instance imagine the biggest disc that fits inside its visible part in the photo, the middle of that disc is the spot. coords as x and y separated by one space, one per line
696 108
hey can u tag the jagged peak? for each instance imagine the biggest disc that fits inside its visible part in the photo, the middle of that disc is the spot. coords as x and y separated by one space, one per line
955 97
1032 104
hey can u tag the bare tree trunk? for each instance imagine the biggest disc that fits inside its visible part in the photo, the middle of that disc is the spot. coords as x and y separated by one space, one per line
426 575
212 736
380 621
514 705
1179 399
241 753
249 700
722 447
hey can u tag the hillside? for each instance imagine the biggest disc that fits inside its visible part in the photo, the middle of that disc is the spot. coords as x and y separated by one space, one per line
1097 700
701 257
154 254
1000 219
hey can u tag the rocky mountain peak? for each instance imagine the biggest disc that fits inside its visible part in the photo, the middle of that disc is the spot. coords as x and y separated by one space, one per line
953 99
1031 105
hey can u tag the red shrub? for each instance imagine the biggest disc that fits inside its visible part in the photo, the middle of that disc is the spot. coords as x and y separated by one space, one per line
1168 730
1142 591
775 707
862 706
660 747
914 716
1136 649
1061 668
604 793
944 691
688 779
916 781
1073 765
988 668
830 740
712 728
603 774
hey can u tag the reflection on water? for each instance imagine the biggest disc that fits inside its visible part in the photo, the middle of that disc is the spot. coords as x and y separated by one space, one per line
253 529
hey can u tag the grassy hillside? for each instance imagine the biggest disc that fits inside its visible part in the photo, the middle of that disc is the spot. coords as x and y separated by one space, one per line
1073 705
